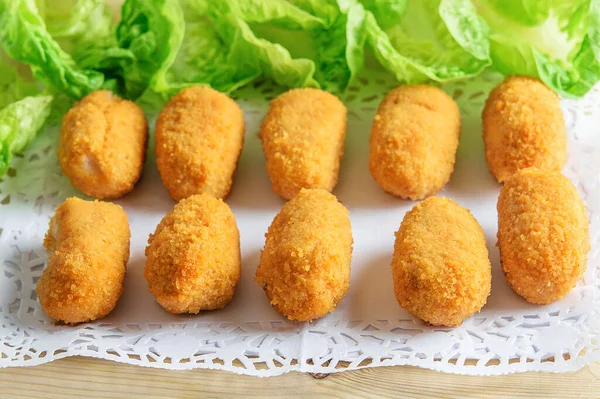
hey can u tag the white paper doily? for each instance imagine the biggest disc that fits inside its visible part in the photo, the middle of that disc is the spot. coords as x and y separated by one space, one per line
368 328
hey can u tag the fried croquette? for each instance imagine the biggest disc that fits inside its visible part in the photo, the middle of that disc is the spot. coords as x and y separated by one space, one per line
523 127
305 264
543 235
199 138
414 140
88 250
441 268
193 258
102 145
303 139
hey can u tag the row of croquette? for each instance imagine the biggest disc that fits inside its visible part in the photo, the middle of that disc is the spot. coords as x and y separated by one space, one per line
440 267
200 134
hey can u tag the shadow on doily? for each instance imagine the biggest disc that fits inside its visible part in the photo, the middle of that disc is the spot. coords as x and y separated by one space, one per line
149 194
251 187
502 298
371 294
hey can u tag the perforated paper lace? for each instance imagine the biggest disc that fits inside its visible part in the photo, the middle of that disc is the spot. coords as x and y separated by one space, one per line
367 329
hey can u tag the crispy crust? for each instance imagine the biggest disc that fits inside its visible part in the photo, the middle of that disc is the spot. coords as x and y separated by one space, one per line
543 235
523 127
102 145
414 140
303 139
88 249
199 138
193 258
305 264
441 267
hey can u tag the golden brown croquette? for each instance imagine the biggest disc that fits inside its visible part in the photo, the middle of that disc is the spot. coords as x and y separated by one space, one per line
414 140
523 127
102 145
305 264
88 251
193 258
303 139
543 234
441 268
199 138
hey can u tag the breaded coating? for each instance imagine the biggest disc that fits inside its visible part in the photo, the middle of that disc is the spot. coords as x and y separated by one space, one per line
305 264
543 235
193 258
441 267
102 145
523 127
199 138
414 140
303 138
88 251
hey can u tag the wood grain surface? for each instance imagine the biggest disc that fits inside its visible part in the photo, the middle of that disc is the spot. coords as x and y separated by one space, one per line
78 377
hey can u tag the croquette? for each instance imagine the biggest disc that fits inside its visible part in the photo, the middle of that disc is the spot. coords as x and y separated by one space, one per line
543 235
102 145
441 268
305 264
413 142
523 127
303 138
88 251
199 138
193 258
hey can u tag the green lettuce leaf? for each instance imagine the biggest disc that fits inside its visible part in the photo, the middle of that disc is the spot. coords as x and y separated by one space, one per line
212 52
298 43
557 41
386 12
335 36
14 82
19 124
152 31
280 13
76 19
24 37
339 48
74 47
17 84
439 40
220 48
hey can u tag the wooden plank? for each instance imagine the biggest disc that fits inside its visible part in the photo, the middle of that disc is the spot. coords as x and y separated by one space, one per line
95 378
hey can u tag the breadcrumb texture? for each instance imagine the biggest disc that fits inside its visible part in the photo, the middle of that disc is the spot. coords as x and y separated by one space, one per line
199 138
305 264
441 267
102 145
88 251
303 138
414 140
543 235
193 258
523 127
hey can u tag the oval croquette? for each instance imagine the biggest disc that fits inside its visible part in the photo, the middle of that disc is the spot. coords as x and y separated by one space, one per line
102 145
414 140
543 235
523 127
199 138
88 251
441 267
303 139
193 258
305 264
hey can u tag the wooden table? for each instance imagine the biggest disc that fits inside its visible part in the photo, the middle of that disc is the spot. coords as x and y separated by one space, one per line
93 378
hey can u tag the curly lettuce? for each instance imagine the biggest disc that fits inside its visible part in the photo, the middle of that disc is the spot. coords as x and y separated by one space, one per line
557 41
